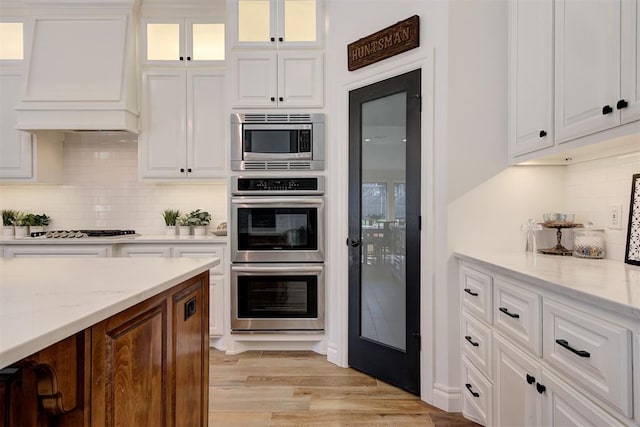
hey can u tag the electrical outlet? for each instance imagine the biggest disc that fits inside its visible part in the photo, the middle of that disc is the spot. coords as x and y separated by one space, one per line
615 220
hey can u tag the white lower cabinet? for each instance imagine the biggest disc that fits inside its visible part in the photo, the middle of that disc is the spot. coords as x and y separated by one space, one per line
517 400
24 251
216 306
555 361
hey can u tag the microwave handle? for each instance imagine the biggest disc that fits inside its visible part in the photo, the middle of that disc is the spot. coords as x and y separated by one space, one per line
276 268
263 200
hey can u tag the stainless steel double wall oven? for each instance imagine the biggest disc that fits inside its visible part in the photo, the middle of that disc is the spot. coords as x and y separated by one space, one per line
277 254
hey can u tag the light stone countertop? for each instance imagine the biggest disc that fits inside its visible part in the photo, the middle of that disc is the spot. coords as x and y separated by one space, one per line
45 300
609 284
146 238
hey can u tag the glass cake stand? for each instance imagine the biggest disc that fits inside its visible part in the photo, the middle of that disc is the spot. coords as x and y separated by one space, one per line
558 249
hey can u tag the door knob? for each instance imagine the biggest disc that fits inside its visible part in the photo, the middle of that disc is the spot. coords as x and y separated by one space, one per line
622 104
354 243
607 110
543 133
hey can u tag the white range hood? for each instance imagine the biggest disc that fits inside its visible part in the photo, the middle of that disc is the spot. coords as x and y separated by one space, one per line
82 69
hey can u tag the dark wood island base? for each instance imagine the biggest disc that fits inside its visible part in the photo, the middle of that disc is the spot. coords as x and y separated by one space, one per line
145 366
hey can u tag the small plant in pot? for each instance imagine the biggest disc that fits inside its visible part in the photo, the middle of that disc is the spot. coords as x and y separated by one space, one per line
8 219
199 220
183 225
37 223
170 217
21 223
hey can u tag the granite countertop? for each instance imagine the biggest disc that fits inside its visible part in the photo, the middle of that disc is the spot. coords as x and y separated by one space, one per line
146 238
610 284
46 300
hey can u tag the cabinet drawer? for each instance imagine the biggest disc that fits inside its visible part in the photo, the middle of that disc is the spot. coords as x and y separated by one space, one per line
202 251
476 343
477 392
476 293
592 351
517 315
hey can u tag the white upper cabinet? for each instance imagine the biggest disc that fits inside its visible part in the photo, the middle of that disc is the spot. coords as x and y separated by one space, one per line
530 75
182 125
182 41
16 160
587 67
282 79
630 48
282 23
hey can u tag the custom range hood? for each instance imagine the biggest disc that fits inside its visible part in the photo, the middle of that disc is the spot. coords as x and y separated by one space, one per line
82 72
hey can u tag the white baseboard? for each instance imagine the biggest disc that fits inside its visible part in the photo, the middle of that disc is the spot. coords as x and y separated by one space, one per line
447 398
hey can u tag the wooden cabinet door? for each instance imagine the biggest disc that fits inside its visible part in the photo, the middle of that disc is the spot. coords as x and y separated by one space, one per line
206 145
530 76
130 380
190 354
587 67
518 402
162 140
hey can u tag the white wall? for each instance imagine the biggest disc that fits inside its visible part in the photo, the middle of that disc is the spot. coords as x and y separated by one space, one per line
591 187
101 190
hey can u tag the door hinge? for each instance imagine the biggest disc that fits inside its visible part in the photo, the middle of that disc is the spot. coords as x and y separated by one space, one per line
418 97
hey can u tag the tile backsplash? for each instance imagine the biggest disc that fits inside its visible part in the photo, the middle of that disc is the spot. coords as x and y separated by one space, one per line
592 187
101 190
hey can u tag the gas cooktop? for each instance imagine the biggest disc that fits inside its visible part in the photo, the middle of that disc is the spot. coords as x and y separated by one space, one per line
75 234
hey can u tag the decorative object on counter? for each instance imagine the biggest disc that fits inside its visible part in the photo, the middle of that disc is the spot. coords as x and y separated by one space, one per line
530 228
199 220
632 253
588 242
558 221
21 226
221 230
8 219
170 216
183 225
36 222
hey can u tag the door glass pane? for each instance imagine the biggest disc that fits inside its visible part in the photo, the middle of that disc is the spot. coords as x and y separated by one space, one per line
254 18
11 41
300 20
208 42
163 42
383 281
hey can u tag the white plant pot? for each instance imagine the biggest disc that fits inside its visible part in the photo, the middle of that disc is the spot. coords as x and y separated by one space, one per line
22 230
199 230
184 230
8 230
170 230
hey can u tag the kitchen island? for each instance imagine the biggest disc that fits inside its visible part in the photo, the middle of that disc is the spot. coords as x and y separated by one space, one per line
118 341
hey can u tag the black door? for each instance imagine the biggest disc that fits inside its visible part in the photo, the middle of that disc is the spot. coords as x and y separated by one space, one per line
384 230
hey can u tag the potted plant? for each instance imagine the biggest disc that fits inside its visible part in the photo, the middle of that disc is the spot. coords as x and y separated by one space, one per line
8 219
21 223
37 223
170 217
183 225
199 220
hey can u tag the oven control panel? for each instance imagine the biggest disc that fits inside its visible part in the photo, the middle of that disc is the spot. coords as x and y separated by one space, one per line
257 186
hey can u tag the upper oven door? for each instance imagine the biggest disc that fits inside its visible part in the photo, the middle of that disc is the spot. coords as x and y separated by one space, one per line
277 229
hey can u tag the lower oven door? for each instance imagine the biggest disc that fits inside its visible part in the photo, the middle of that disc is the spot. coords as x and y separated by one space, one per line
277 298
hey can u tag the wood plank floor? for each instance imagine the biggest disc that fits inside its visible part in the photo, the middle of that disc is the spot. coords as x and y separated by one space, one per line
300 388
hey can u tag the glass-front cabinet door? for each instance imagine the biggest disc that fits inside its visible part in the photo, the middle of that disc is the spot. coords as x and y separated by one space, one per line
295 23
182 41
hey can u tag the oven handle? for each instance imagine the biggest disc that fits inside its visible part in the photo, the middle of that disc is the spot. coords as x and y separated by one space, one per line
283 268
263 200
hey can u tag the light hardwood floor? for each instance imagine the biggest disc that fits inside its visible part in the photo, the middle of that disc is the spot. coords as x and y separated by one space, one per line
266 388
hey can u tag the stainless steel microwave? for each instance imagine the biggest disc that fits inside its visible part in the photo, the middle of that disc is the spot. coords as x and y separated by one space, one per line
277 141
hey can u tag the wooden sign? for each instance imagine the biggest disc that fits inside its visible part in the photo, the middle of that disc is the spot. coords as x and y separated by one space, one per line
398 38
